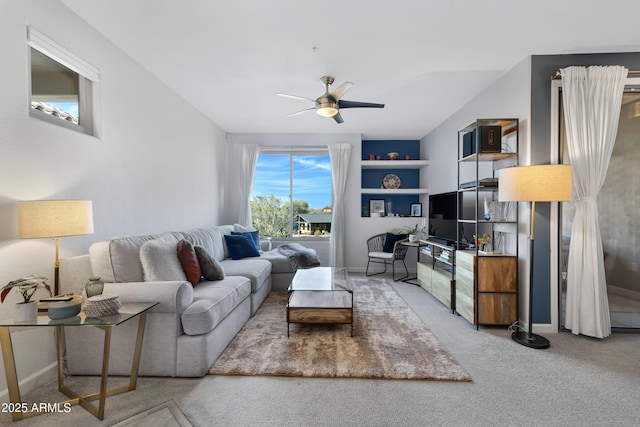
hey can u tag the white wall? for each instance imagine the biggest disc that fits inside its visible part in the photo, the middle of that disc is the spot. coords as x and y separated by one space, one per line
158 165
358 229
508 97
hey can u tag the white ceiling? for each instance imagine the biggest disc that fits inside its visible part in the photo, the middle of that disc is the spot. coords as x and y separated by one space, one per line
424 59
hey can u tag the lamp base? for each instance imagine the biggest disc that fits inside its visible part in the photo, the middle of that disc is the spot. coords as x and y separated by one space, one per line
533 341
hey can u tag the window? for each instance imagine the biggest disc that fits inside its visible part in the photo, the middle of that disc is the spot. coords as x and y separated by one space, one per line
291 194
62 85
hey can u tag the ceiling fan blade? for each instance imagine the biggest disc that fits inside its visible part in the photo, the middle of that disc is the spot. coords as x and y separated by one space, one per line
338 118
301 111
295 97
341 90
356 104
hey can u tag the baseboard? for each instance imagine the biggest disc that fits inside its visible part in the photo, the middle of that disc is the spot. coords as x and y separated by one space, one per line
43 376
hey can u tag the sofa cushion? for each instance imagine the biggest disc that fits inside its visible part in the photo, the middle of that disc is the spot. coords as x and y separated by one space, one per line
241 246
159 258
253 235
210 267
255 269
213 301
118 259
189 261
206 237
279 262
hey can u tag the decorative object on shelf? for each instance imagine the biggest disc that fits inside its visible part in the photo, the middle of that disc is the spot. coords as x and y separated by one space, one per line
39 219
27 286
407 157
540 183
484 243
392 156
94 287
372 156
376 207
102 305
416 209
378 157
389 207
391 181
57 310
487 212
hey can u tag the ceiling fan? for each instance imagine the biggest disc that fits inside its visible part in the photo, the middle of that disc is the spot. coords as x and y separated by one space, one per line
330 103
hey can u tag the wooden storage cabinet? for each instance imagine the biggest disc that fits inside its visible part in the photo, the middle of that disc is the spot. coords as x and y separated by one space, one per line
436 276
492 298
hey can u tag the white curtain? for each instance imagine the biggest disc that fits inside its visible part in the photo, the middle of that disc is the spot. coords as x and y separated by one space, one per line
247 154
592 99
340 155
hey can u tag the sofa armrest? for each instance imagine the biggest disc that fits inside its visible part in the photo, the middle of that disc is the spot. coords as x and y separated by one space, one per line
174 296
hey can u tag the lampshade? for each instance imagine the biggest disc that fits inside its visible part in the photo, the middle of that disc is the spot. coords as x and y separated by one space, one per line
326 106
539 183
54 218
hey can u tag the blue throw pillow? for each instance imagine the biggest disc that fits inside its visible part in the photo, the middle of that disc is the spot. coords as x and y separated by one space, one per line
253 234
391 240
241 246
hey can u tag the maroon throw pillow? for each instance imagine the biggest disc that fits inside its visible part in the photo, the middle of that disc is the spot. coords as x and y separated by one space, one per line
189 261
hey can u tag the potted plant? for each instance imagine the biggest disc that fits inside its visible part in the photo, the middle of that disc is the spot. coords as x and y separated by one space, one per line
413 233
27 286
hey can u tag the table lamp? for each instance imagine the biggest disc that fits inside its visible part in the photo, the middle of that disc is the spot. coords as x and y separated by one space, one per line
540 183
54 218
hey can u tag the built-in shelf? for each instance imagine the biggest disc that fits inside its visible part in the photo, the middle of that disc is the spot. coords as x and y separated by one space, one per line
407 176
394 191
481 221
493 157
393 164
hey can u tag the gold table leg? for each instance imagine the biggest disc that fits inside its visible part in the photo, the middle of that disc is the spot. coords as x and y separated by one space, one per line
10 372
75 399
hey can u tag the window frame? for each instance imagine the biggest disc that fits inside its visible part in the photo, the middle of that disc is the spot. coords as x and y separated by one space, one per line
88 88
292 152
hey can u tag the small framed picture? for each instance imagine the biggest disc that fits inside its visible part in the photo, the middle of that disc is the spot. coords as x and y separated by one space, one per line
376 206
416 209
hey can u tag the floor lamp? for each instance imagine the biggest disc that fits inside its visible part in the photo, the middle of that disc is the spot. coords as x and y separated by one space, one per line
39 219
540 183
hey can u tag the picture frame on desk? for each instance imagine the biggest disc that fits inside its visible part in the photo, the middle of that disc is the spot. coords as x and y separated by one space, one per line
376 207
416 209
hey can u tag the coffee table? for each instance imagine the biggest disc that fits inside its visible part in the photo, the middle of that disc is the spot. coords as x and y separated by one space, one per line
320 295
127 312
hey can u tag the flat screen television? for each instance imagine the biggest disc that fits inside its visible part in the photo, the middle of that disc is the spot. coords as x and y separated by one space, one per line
443 218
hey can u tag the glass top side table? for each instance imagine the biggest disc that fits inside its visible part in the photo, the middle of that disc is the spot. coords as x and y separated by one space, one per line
106 323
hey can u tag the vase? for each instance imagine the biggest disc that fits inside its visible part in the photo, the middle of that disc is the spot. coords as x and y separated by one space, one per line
25 311
413 238
94 287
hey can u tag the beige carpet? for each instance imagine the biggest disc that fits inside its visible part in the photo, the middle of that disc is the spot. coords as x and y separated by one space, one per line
389 342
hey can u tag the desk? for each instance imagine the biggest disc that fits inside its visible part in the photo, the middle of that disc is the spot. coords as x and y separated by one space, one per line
419 244
106 323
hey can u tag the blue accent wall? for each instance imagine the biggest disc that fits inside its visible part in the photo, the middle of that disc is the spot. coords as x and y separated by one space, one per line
382 147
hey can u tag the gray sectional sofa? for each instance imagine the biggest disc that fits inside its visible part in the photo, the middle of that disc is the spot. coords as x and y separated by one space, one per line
191 326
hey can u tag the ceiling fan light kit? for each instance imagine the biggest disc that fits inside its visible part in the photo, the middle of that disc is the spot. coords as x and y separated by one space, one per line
329 104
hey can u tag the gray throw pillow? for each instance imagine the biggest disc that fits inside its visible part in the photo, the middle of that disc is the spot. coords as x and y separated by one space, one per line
211 268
